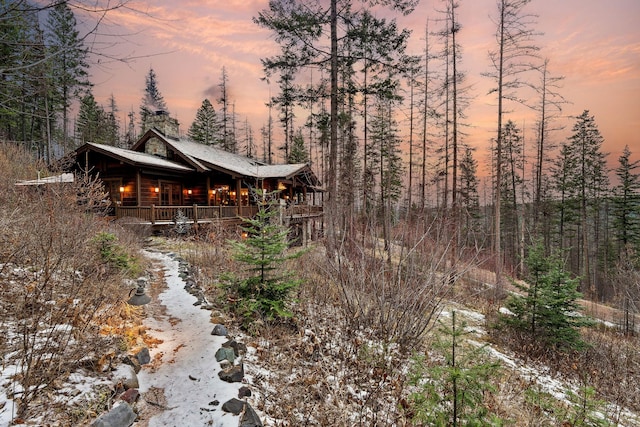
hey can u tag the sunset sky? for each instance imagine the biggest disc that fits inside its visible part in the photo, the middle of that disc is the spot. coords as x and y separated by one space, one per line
594 44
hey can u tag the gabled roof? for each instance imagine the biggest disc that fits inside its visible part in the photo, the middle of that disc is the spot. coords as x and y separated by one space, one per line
134 157
215 158
206 158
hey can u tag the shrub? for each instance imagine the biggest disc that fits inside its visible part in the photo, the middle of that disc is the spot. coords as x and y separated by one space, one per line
55 287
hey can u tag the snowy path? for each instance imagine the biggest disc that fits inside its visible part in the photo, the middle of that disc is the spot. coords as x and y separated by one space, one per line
188 372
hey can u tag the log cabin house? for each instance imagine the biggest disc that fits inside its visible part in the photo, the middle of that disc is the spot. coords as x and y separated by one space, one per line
163 174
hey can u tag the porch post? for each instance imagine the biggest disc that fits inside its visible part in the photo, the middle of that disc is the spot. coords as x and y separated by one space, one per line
208 190
153 214
238 198
305 224
138 190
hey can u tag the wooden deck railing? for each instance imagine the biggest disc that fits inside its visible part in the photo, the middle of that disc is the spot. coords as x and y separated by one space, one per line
196 213
193 213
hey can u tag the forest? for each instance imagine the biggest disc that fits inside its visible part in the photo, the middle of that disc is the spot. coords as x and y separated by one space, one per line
411 215
385 130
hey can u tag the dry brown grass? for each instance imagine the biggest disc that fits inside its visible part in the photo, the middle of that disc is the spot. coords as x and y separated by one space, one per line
335 363
57 288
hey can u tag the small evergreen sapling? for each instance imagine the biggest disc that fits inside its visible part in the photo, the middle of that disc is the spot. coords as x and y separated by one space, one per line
266 287
454 393
548 310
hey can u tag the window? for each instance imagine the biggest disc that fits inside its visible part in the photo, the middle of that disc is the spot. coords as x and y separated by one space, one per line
170 194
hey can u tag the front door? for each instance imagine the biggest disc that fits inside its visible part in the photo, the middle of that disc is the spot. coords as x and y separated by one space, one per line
170 194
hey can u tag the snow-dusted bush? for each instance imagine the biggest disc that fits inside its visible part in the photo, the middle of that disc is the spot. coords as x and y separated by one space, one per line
56 285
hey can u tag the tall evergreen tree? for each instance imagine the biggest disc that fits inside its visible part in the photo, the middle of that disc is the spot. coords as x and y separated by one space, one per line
206 126
130 135
561 172
384 133
509 60
152 100
298 153
16 33
92 124
626 203
286 101
589 181
69 65
227 120
112 126
469 200
510 188
300 27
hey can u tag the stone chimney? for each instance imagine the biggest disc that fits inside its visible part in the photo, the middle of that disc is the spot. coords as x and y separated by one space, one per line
165 124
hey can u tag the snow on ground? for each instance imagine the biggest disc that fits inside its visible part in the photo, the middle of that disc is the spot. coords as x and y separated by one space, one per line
188 372
7 406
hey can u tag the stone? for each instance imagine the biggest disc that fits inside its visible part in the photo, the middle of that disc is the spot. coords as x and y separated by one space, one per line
233 406
121 415
235 374
250 418
130 396
238 347
216 317
225 364
243 392
220 331
143 356
132 361
225 353
126 375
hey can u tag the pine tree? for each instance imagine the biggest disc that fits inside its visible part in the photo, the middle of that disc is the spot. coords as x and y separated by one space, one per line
265 289
384 134
152 100
302 28
454 393
510 188
509 60
589 181
548 311
206 127
626 203
70 67
298 153
112 130
469 199
227 125
130 136
91 125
